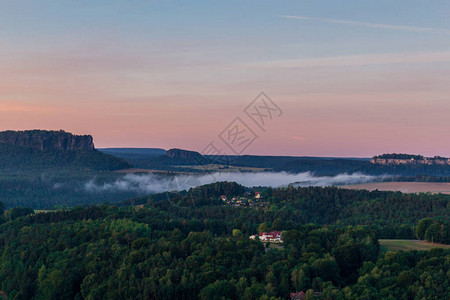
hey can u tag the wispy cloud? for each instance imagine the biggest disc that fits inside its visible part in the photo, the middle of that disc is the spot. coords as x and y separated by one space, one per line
298 138
373 25
150 183
356 60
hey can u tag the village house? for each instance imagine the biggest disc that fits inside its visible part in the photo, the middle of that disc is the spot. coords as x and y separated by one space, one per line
272 236
298 296
245 201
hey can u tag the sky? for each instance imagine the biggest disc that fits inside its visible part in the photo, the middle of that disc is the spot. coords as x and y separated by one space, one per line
350 78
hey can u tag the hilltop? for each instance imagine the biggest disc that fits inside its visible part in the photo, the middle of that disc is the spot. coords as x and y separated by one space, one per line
408 159
184 154
158 159
44 140
43 150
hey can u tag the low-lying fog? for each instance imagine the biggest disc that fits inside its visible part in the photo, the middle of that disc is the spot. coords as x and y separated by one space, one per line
151 183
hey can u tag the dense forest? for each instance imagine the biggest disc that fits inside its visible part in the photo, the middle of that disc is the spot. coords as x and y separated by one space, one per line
191 245
63 188
391 214
334 167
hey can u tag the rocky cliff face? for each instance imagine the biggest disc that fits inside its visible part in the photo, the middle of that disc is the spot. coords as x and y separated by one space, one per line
424 161
48 140
184 154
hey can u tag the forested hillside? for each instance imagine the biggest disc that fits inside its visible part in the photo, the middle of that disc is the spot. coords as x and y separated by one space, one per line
190 246
391 214
43 169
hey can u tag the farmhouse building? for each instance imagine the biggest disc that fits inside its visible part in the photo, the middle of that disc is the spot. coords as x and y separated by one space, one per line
272 236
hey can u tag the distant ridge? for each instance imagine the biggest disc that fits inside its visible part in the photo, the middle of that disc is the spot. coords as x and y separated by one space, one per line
184 154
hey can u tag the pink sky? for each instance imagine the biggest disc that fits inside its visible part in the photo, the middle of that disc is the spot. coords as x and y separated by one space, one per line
154 78
332 107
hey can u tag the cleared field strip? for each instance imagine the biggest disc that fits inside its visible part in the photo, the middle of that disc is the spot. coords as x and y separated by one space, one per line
408 245
404 187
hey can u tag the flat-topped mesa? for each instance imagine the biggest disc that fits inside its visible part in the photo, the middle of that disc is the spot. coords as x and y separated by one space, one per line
45 140
408 159
184 154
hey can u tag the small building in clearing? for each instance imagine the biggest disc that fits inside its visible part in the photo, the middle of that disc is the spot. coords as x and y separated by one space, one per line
272 236
298 296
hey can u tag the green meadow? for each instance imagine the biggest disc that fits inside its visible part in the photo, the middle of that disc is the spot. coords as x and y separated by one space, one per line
408 245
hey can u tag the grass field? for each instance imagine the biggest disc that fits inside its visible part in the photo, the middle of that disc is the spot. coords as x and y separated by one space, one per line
407 245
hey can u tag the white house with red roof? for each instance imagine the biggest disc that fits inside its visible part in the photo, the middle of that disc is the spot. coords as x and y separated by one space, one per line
272 236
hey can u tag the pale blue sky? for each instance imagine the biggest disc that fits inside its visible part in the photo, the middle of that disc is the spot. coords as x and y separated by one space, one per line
130 67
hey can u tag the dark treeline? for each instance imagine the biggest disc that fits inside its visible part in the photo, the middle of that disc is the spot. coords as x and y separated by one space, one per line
423 178
317 165
334 167
399 156
434 231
